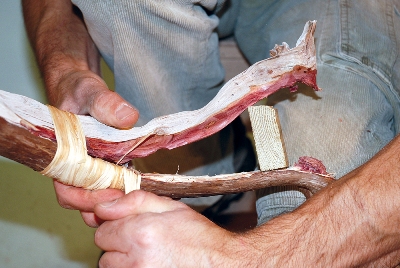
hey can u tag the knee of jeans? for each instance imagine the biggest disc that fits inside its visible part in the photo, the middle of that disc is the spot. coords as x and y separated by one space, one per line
343 125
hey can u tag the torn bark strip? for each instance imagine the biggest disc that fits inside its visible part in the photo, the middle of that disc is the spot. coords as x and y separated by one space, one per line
27 131
286 68
20 145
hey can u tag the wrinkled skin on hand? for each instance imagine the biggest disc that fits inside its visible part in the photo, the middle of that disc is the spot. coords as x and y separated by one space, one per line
85 93
145 230
70 197
70 66
352 223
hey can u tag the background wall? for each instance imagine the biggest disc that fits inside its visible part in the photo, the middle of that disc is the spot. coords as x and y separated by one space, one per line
34 230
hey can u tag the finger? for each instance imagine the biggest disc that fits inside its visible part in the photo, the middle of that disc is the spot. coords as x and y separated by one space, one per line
84 200
117 235
115 259
91 219
136 202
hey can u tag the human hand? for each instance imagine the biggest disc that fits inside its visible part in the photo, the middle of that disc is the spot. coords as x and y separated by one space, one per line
146 230
361 209
71 197
69 63
83 92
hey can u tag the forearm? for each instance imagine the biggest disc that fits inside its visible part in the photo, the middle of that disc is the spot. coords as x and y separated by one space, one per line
60 40
352 222
70 66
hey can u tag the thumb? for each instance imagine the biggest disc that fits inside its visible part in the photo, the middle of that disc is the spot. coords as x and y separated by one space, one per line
111 109
86 93
136 202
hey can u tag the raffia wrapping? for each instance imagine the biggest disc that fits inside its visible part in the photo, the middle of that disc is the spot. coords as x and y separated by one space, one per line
72 165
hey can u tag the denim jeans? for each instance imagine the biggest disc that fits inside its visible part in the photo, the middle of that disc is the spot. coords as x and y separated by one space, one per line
357 112
165 58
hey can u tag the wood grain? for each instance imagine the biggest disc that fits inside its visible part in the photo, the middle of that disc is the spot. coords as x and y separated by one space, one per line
27 131
20 145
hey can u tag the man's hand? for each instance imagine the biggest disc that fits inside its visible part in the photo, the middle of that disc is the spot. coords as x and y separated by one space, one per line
84 92
352 223
70 197
70 65
145 230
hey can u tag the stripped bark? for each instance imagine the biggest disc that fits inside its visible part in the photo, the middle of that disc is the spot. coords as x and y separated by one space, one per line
286 68
35 152
27 131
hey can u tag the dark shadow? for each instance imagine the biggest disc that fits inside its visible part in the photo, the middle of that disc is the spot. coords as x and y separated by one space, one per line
285 94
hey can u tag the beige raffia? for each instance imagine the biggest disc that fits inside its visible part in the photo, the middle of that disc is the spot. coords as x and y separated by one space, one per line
72 165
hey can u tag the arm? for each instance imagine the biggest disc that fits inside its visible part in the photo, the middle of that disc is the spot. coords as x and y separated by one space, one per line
70 65
353 222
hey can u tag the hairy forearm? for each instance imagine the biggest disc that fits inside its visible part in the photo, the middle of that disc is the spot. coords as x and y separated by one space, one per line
353 222
60 40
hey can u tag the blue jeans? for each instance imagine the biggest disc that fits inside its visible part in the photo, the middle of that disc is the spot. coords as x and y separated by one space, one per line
165 58
357 113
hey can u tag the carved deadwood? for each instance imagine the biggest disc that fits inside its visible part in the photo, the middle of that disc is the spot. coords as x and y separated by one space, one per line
27 131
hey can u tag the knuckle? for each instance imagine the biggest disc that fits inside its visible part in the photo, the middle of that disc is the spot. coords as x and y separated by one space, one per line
148 236
105 262
63 201
76 90
97 236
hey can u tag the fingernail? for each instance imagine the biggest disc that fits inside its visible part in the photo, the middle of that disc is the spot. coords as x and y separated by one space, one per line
108 204
124 111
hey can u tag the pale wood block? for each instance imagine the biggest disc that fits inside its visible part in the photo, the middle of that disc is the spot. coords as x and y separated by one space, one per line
268 137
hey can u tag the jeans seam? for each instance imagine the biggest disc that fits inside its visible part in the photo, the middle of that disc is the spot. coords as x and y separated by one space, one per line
344 48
